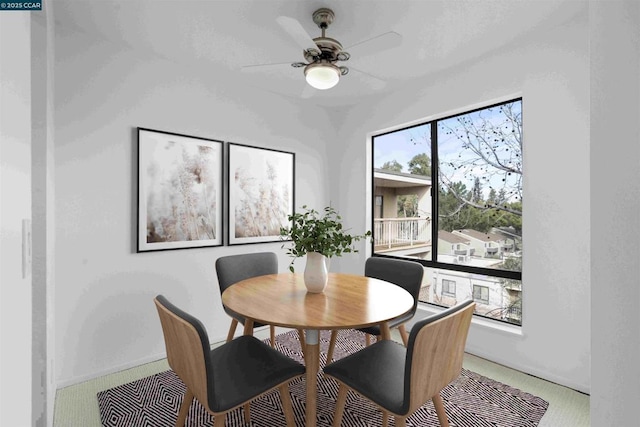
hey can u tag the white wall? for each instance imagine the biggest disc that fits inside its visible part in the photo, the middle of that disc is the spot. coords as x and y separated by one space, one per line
104 92
15 206
42 183
550 70
105 317
615 203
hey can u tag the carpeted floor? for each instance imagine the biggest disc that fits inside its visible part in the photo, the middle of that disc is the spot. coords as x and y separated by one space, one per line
472 400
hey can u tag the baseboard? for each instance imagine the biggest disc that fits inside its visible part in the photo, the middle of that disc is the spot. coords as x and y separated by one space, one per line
528 370
511 331
133 364
123 367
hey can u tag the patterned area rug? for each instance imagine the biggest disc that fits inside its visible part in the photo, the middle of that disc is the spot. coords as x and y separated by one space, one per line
472 400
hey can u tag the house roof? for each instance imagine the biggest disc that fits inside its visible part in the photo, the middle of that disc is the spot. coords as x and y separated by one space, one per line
386 178
452 238
479 235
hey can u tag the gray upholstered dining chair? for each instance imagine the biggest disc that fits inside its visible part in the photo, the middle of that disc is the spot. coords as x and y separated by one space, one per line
234 268
228 376
404 273
399 379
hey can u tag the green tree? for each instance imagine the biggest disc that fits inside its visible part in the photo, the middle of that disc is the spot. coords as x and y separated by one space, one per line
392 166
492 146
420 164
476 192
408 206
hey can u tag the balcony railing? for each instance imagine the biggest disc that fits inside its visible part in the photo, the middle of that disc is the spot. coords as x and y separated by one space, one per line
513 314
401 232
467 251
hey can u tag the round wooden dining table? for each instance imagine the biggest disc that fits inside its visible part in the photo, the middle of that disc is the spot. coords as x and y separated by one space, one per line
349 301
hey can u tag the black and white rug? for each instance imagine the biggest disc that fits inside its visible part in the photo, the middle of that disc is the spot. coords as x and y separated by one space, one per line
472 400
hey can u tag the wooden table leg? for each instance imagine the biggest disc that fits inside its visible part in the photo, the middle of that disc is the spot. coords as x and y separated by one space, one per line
248 330
312 361
385 332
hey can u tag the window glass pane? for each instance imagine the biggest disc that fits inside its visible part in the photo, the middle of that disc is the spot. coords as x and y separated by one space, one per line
469 238
402 178
495 298
480 188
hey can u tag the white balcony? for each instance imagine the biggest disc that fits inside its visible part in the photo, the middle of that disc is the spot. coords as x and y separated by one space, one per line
401 233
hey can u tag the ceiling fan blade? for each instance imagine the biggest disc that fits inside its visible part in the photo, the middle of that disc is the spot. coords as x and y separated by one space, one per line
297 32
375 44
264 67
369 80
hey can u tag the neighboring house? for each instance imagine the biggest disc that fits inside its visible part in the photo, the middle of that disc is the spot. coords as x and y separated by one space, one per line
496 298
510 234
487 245
448 287
401 236
455 245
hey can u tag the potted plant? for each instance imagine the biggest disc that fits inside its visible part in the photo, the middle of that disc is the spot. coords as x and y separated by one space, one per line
319 237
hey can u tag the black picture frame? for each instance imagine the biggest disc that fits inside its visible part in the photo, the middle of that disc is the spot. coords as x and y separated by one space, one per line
180 191
261 191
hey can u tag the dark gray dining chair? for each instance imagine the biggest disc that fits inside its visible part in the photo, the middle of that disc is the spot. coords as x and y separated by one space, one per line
228 376
234 268
401 380
404 273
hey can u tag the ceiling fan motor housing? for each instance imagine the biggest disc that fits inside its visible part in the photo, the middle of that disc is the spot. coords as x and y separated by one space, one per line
323 17
322 53
330 49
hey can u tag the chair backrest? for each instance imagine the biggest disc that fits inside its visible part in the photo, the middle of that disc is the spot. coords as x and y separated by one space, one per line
187 343
435 352
234 268
404 273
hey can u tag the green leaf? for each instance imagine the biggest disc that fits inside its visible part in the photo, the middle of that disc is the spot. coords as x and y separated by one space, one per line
324 234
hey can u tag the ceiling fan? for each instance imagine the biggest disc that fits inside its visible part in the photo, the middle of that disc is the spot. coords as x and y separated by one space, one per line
322 54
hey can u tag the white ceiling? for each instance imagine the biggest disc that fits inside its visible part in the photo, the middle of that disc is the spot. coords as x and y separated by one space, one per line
226 35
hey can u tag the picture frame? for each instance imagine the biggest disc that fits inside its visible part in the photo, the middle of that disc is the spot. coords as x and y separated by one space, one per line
261 193
180 191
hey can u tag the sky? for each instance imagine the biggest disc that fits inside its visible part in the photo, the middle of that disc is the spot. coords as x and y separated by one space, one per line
404 144
400 147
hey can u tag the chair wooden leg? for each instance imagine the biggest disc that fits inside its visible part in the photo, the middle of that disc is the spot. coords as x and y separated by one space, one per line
286 405
272 335
232 329
219 419
247 413
248 327
367 339
385 418
401 421
184 409
340 402
442 414
332 346
403 334
301 338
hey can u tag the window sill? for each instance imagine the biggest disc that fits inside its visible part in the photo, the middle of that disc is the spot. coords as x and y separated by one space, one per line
477 321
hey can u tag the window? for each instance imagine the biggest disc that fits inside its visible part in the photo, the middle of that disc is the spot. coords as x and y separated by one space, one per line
481 294
379 212
453 201
449 287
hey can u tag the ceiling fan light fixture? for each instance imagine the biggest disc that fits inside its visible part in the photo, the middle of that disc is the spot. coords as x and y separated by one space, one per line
322 75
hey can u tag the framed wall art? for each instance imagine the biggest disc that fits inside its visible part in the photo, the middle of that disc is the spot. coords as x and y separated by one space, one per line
261 193
180 191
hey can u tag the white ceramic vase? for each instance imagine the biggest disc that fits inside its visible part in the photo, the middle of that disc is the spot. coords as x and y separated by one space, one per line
315 272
